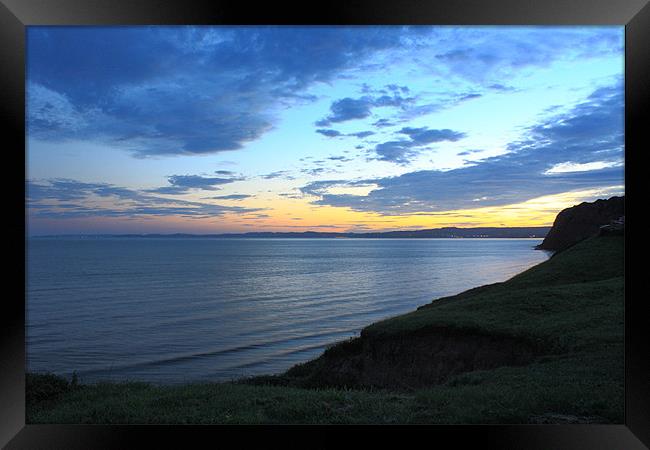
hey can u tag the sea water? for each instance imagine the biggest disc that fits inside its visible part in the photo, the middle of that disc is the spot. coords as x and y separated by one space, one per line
175 310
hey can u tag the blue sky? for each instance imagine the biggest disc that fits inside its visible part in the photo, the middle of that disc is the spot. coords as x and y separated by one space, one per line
222 129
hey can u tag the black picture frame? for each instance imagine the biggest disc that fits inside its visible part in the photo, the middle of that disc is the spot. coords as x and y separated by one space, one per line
15 15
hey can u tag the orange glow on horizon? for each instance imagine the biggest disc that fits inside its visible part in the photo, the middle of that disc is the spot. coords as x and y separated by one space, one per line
299 215
283 215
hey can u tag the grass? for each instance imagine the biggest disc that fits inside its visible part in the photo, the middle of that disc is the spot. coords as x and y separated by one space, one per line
570 305
575 299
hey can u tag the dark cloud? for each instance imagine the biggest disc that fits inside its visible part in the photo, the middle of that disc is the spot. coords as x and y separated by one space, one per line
231 197
334 133
469 152
279 174
592 131
171 190
180 184
470 96
501 87
315 171
64 198
490 55
443 101
339 158
348 108
329 132
320 187
421 105
381 123
292 195
199 182
362 134
387 89
399 152
424 135
60 189
403 150
397 88
153 90
395 100
194 90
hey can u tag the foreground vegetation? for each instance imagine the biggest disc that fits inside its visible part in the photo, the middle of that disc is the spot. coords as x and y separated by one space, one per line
543 347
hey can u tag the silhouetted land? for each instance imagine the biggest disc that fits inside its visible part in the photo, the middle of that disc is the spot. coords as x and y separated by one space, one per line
579 222
448 232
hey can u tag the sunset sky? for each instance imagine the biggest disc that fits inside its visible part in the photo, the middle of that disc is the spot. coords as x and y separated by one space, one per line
234 129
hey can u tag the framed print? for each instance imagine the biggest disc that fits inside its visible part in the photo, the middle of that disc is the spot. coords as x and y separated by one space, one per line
272 219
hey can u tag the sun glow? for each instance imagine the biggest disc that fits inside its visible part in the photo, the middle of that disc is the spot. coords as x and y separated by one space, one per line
283 214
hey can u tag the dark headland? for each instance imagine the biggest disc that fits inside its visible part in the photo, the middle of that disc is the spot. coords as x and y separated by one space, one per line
579 222
545 346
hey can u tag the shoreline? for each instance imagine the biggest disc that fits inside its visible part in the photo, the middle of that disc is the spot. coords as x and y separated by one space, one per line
561 321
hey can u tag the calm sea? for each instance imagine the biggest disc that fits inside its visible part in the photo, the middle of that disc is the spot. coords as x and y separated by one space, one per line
181 310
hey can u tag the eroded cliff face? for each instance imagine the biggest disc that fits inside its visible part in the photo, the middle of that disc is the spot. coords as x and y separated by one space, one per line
426 357
582 221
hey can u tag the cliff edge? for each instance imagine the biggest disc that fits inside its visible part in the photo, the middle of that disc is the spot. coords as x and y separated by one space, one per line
579 222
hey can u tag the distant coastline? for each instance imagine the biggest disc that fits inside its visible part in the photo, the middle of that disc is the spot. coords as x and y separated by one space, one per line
439 233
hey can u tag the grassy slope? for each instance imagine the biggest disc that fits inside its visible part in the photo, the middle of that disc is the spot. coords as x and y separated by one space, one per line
572 304
568 298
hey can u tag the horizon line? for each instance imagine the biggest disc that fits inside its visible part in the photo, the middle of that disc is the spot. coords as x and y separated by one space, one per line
292 232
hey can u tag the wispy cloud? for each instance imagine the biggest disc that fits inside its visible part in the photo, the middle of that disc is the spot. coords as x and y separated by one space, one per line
231 197
331 133
181 184
589 136
486 55
65 198
328 132
285 174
